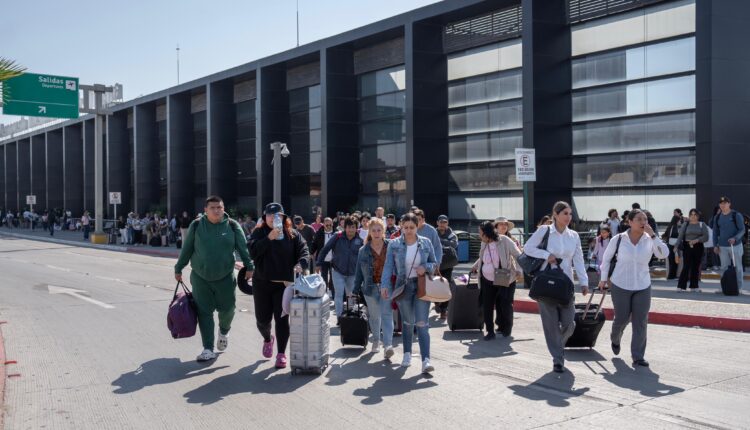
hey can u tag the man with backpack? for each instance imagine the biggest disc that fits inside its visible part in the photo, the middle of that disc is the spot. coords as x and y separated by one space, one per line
729 231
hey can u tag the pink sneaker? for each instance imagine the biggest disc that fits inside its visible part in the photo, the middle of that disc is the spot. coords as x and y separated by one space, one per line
268 348
280 361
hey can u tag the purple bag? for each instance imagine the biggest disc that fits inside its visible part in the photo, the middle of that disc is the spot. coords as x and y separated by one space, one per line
182 317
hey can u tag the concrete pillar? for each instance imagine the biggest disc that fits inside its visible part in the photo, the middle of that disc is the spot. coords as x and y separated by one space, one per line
179 154
55 178
73 168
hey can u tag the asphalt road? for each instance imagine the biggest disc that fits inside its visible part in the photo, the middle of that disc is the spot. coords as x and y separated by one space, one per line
103 358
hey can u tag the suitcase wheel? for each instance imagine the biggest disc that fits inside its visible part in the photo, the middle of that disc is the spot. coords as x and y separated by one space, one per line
452 327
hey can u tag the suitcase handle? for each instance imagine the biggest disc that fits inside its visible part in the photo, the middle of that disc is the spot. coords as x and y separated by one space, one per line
588 304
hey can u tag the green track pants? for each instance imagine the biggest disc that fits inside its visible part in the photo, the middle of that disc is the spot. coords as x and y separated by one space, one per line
213 296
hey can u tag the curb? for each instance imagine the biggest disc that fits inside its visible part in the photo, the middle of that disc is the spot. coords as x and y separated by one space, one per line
663 318
128 249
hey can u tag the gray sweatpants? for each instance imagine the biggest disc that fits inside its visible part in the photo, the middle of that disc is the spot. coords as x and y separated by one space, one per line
631 306
558 324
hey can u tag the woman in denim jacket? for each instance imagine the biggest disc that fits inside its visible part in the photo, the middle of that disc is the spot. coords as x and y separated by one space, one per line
370 264
407 257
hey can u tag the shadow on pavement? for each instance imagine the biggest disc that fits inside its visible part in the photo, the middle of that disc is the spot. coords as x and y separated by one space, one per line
642 379
554 388
246 380
496 348
161 371
583 355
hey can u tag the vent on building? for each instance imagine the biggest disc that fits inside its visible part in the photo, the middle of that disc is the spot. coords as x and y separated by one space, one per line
581 10
483 29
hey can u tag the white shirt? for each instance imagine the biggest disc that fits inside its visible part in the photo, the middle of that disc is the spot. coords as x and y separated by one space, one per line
631 271
412 255
363 233
565 245
614 224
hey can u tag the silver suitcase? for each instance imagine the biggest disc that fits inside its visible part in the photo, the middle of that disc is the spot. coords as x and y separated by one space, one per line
309 333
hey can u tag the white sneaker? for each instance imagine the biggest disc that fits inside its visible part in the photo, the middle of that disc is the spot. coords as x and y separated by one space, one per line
406 362
222 342
206 355
426 366
388 353
376 346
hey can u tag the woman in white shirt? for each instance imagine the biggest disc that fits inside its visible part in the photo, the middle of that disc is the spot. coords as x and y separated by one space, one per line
631 281
563 249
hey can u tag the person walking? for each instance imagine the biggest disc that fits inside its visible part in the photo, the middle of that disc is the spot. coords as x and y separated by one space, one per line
322 236
184 224
318 223
345 247
364 225
671 235
390 225
52 221
123 228
613 220
600 245
631 281
564 250
426 230
278 254
209 246
449 245
367 279
729 229
86 224
407 258
496 252
690 248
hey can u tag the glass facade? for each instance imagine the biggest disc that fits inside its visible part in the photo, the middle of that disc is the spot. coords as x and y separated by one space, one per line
247 178
305 148
634 110
382 139
484 129
200 154
162 130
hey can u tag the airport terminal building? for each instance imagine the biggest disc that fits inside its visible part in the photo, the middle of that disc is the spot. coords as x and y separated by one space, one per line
623 101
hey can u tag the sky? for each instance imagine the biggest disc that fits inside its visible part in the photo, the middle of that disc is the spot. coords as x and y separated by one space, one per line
133 42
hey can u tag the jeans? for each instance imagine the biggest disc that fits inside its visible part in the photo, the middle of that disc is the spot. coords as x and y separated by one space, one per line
86 230
414 311
380 313
343 283
124 236
726 260
52 229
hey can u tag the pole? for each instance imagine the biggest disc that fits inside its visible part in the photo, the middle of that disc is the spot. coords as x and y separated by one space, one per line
297 22
115 212
276 146
178 64
98 171
526 214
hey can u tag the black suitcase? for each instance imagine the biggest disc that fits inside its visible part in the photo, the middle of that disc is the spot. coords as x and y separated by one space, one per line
179 243
729 279
589 320
464 310
155 241
353 325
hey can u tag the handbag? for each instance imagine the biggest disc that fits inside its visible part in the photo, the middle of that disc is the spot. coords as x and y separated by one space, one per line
613 262
310 286
433 288
531 265
552 286
399 291
503 277
182 317
450 258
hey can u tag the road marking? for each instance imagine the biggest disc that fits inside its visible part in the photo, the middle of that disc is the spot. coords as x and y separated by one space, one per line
77 293
58 268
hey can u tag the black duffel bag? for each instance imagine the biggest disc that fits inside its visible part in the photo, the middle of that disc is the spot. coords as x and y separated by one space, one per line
450 258
552 286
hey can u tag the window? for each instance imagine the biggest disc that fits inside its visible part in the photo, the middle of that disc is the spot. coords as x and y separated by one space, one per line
643 169
483 177
382 82
592 205
484 118
485 89
484 147
486 59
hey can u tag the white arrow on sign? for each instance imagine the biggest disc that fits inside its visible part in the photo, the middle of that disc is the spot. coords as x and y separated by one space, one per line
42 109
78 294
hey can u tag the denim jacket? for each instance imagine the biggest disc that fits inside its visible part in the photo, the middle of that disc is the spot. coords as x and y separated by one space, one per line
395 261
363 278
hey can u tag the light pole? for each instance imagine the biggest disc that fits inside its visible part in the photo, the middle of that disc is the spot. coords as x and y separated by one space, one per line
279 150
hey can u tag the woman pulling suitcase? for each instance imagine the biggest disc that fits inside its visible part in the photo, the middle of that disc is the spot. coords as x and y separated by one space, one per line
563 249
408 257
367 279
631 281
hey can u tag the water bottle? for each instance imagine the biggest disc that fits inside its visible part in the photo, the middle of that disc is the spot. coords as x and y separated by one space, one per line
278 225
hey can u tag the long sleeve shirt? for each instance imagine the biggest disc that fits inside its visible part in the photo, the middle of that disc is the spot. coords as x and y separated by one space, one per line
631 270
431 233
565 246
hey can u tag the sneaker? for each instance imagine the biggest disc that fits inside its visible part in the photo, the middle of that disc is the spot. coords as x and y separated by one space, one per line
616 348
406 362
376 346
280 361
388 352
206 355
680 290
268 348
640 362
426 366
222 342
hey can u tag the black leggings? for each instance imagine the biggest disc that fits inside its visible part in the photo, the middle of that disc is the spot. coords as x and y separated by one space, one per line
691 268
267 296
500 299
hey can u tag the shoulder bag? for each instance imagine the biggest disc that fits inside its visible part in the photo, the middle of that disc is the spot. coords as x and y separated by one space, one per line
552 286
613 261
503 277
531 265
433 288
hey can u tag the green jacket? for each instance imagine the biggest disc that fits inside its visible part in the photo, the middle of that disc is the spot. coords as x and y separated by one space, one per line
210 248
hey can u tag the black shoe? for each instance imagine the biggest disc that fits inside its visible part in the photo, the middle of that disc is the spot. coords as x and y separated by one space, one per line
616 348
338 322
558 368
506 334
640 362
489 336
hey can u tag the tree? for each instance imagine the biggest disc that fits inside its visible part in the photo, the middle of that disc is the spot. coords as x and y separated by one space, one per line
8 69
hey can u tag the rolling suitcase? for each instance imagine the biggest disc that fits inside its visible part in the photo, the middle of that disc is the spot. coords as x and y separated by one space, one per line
155 241
589 321
729 279
354 327
464 311
309 333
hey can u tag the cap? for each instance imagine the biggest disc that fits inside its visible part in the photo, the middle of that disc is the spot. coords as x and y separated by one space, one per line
443 218
298 219
724 199
273 209
391 216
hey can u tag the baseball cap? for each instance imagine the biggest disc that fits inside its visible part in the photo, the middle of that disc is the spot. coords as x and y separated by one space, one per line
442 218
273 209
724 199
297 219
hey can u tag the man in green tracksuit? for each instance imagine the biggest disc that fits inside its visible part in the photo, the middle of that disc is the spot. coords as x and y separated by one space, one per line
209 246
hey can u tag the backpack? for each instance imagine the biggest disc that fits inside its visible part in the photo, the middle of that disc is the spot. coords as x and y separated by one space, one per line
745 222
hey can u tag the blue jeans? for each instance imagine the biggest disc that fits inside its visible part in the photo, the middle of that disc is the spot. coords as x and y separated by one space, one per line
380 313
414 311
340 283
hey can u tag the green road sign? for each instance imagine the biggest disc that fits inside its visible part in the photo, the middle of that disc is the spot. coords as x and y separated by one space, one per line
41 95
